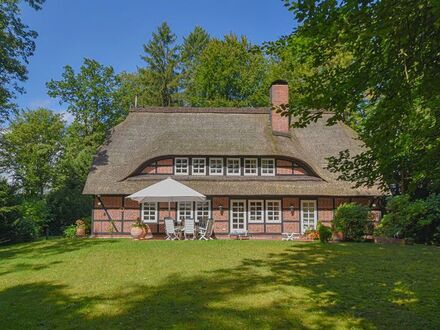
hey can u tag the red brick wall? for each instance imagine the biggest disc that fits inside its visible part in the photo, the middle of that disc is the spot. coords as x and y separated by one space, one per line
256 228
284 167
279 94
273 228
291 221
341 200
108 202
299 171
164 166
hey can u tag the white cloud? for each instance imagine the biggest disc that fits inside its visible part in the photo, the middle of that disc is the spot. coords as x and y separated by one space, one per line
67 117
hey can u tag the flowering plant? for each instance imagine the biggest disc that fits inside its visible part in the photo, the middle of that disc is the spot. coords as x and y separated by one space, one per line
312 234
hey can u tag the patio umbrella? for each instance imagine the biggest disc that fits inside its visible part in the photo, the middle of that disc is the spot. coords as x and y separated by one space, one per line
167 190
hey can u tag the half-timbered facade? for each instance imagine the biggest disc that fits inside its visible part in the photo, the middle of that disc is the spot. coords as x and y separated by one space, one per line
259 174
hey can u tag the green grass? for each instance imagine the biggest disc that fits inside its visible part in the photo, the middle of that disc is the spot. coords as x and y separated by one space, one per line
102 284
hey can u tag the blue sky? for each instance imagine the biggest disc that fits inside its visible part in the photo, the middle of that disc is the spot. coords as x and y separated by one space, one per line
113 32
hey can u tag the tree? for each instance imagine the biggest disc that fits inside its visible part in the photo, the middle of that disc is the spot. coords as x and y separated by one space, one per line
16 46
30 149
230 72
192 48
377 62
161 56
92 98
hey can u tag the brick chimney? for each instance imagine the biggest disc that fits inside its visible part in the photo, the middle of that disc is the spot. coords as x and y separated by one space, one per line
279 98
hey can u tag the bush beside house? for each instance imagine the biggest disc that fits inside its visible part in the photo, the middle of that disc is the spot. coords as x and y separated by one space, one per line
413 220
353 221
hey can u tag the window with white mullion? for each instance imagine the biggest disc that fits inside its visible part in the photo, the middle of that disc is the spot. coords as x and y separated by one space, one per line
256 211
203 210
198 166
250 166
267 166
184 210
149 212
233 166
181 166
215 166
273 211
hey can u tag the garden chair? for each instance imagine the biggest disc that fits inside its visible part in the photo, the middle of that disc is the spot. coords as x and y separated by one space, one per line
189 228
206 232
290 236
170 230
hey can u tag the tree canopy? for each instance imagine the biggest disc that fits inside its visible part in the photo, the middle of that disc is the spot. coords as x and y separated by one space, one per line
16 46
375 64
30 149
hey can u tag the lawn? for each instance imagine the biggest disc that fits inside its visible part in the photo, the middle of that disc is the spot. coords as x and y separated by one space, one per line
102 284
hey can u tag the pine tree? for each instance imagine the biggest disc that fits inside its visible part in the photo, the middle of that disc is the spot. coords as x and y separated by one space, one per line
162 60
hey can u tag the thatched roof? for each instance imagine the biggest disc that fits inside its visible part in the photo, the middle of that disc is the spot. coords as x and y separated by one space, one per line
154 132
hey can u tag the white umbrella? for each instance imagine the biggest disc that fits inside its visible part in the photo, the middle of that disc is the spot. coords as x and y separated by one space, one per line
167 190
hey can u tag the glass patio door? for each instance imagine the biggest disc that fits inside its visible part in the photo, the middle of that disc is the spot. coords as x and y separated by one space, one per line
238 215
308 215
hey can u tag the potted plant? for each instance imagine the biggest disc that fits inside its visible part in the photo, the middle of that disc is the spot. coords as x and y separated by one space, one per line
139 230
80 228
311 234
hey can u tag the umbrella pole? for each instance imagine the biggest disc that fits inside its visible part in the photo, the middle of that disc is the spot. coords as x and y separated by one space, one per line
169 208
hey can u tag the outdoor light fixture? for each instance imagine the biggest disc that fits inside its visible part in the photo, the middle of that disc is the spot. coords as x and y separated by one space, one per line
291 208
220 208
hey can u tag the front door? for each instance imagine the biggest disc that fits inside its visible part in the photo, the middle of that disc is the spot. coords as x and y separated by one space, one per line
238 215
308 215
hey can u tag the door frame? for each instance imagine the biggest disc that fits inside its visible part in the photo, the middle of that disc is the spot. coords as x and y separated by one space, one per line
231 230
315 220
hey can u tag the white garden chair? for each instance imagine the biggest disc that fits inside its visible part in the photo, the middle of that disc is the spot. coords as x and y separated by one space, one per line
170 230
206 232
189 229
290 236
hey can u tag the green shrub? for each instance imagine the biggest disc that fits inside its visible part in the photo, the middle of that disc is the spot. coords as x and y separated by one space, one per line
25 230
417 220
353 220
70 231
325 233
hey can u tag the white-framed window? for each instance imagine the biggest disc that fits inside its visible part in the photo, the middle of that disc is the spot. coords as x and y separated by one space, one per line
181 166
255 211
267 166
250 166
308 215
273 211
203 210
233 166
149 212
215 166
184 210
198 166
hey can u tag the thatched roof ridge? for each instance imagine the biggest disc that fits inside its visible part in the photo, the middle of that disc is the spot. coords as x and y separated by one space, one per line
153 132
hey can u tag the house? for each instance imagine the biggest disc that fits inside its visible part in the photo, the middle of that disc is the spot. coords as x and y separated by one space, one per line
259 174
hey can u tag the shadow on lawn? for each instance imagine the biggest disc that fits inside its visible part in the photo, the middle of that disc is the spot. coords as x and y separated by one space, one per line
307 286
50 247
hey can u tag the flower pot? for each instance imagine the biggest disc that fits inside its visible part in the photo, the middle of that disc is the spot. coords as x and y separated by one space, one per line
80 231
146 233
338 236
137 232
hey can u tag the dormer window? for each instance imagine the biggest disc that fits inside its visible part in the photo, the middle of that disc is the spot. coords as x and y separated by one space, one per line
250 166
181 166
233 166
199 166
215 166
267 166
